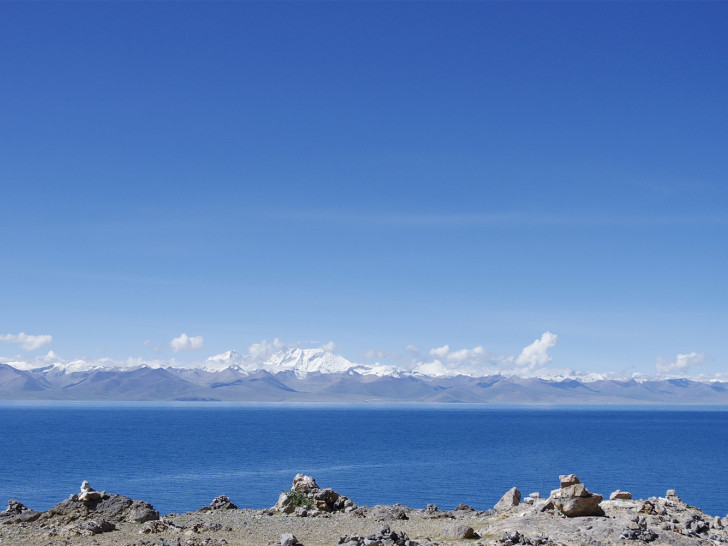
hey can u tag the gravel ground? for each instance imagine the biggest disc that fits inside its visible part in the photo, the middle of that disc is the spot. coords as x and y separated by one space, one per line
257 528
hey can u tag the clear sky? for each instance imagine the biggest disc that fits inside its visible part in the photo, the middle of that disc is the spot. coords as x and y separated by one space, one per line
373 174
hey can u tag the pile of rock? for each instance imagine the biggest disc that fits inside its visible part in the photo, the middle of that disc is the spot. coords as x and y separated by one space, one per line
510 538
573 499
90 504
385 537
306 498
637 530
221 502
17 512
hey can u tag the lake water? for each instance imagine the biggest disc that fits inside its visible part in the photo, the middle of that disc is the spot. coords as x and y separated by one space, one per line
179 456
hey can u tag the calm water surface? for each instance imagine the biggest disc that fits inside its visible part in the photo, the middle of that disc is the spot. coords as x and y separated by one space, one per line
179 456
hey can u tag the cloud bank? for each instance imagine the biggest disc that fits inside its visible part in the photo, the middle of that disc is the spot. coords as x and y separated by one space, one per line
26 341
533 360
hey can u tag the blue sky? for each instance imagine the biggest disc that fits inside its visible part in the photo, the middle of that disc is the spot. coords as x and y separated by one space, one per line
375 174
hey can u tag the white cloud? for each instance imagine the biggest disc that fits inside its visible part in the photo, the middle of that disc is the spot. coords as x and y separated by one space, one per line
440 352
261 352
680 362
329 347
27 341
187 343
536 354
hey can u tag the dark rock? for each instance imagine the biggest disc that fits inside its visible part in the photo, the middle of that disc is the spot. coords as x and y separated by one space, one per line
385 537
17 512
219 503
114 508
464 507
97 526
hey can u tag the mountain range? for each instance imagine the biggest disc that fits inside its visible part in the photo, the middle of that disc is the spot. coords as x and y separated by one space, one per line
317 375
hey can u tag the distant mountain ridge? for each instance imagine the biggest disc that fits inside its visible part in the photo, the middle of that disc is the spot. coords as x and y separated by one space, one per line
316 375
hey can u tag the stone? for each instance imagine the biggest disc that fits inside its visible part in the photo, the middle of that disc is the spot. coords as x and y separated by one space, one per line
288 539
97 526
620 495
671 495
535 495
388 513
458 531
573 499
464 507
88 493
305 493
219 503
17 512
304 483
153 527
511 498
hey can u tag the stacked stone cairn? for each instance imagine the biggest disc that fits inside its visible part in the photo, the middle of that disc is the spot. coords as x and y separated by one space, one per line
573 499
306 498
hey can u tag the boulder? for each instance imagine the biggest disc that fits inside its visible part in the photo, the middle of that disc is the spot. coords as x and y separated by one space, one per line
97 526
154 527
568 479
288 540
620 495
387 513
511 498
574 500
304 483
458 532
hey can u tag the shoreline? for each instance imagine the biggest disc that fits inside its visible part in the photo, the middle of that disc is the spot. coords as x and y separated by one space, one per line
316 516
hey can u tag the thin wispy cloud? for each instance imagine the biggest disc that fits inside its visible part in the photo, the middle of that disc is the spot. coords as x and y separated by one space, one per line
680 362
467 219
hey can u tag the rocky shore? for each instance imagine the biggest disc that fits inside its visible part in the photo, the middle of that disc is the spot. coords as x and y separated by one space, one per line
313 516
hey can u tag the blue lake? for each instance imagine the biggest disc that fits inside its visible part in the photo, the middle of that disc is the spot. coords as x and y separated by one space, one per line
179 456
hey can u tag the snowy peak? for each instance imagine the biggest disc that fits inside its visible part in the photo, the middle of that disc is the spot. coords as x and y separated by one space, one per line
299 361
305 361
223 361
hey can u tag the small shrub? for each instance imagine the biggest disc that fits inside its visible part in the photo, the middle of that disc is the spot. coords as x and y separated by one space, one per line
298 498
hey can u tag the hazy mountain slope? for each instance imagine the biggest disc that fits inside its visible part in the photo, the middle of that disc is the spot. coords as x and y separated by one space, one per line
301 378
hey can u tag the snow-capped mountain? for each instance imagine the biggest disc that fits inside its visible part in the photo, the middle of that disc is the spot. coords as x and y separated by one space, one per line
299 361
318 374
